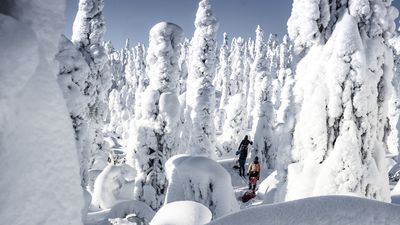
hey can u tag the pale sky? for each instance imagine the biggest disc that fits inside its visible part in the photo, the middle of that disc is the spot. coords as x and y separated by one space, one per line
133 18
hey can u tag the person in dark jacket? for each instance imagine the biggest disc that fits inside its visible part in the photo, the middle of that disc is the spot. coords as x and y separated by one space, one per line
242 150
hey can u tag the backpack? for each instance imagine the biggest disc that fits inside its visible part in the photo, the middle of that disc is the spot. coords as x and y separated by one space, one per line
255 168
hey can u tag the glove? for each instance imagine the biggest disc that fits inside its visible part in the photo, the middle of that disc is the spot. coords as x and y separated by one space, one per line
247 174
237 152
258 178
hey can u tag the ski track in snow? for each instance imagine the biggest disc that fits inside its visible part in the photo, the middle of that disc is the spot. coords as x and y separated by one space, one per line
240 184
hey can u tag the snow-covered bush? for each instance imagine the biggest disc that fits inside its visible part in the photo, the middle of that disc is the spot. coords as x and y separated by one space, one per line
114 184
200 179
40 182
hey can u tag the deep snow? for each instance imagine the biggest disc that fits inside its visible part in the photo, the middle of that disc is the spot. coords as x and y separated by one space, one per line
326 210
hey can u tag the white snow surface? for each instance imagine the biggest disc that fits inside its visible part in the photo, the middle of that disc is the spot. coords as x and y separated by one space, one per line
326 210
17 47
40 182
341 117
267 188
200 179
114 184
182 213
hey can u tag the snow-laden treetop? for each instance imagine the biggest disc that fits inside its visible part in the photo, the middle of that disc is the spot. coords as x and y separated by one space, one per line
164 49
205 17
313 21
89 26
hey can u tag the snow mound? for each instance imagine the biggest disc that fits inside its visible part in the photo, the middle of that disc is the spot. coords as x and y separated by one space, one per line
125 208
203 180
114 184
171 214
267 188
326 210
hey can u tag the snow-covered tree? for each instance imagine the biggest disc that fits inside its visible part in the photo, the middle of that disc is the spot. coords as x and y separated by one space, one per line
155 135
141 76
262 124
40 182
235 125
200 90
183 65
393 126
285 118
221 83
74 72
343 86
87 34
116 100
224 72
273 67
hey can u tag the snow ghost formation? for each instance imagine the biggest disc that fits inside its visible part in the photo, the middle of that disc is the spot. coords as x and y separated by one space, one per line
155 135
343 87
87 33
40 178
200 96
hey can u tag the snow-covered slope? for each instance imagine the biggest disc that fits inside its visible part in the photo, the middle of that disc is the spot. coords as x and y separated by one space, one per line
327 210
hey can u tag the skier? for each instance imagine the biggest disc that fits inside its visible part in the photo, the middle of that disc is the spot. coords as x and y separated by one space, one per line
242 150
254 173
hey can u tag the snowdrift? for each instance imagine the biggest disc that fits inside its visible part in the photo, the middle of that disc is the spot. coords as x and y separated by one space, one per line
172 213
326 210
202 180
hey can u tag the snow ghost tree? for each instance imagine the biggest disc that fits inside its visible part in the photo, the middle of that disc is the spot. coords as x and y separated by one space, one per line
183 65
393 136
221 83
87 33
224 72
235 125
343 87
74 72
285 118
155 135
262 123
142 78
39 169
200 90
